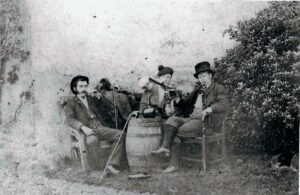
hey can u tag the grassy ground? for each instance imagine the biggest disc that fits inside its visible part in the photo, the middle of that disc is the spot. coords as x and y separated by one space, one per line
238 175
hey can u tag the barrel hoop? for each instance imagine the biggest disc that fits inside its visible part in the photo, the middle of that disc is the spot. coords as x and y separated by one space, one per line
141 156
143 135
154 124
149 122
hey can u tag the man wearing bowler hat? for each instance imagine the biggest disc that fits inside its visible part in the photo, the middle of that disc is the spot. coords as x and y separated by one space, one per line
87 114
207 104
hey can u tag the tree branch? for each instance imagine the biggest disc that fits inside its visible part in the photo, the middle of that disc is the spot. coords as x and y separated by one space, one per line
5 33
19 107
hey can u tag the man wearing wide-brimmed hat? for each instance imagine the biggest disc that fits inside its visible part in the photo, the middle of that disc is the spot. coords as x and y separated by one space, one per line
88 114
208 99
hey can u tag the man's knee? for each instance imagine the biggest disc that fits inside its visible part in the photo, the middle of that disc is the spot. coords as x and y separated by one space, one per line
174 121
91 140
192 128
119 135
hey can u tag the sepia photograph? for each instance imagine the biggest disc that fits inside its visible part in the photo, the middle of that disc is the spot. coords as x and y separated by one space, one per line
149 97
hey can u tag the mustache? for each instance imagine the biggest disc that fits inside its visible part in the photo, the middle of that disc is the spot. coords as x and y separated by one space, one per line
84 91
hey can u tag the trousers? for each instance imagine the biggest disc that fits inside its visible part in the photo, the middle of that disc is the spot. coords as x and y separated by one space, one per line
111 136
187 127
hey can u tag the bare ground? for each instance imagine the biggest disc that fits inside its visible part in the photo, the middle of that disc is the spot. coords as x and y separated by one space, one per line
17 179
247 174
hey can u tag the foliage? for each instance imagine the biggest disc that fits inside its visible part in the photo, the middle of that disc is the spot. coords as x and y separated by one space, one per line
259 72
11 40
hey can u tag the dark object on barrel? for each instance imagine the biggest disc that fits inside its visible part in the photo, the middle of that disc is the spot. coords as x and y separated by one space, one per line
150 112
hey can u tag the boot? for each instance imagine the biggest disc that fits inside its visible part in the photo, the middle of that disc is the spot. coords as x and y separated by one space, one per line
169 134
164 152
170 169
111 169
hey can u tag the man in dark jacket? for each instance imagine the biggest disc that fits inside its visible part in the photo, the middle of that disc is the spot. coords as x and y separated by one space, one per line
208 99
114 96
87 114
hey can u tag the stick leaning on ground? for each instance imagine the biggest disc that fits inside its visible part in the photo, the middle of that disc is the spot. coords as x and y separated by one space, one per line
113 151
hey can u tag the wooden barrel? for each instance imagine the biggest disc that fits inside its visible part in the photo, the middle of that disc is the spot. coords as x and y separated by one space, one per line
143 136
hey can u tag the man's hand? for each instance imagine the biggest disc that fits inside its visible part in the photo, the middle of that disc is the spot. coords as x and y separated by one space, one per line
206 112
95 93
197 114
87 131
135 113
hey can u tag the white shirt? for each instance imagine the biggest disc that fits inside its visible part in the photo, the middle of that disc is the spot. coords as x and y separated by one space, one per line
199 103
161 95
84 101
90 112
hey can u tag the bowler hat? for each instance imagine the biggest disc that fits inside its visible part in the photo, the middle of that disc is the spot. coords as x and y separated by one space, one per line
203 67
162 70
74 82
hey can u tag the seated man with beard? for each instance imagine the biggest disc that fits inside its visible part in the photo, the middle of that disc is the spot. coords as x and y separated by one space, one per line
86 114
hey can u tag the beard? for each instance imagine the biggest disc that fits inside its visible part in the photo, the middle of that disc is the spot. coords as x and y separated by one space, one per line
83 93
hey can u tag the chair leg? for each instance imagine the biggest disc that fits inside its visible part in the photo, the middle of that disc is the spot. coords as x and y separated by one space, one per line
204 152
83 154
224 148
74 153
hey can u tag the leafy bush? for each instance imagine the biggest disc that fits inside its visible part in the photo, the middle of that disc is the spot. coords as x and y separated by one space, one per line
259 72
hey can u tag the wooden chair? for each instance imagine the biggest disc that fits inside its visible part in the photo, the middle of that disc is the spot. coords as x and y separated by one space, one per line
205 141
79 150
78 147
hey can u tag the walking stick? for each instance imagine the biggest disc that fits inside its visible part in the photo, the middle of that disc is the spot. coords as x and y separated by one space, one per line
113 151
115 108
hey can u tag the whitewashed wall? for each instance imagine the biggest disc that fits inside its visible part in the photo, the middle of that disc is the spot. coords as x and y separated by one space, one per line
121 40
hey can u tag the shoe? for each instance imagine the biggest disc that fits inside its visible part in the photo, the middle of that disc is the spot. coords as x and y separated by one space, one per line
111 169
169 169
161 152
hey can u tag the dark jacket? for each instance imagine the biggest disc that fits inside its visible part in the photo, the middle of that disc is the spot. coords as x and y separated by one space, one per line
101 113
215 96
121 101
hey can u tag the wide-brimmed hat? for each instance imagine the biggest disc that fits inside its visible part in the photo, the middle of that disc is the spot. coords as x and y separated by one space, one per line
162 70
74 82
203 67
